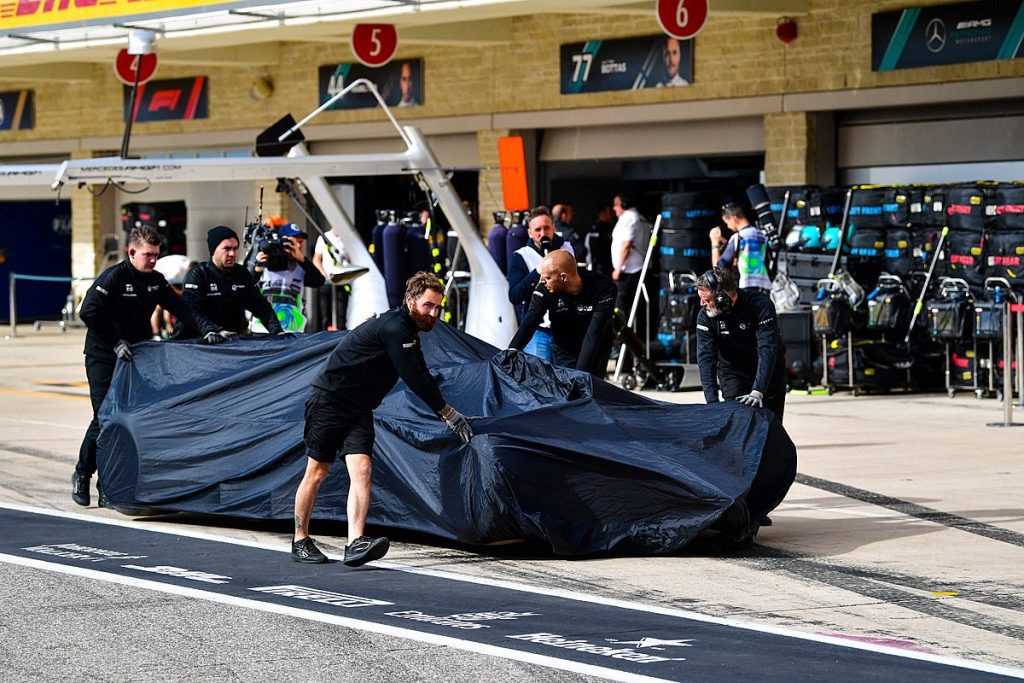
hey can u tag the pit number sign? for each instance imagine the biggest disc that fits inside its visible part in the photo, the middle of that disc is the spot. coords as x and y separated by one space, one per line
126 64
374 44
682 19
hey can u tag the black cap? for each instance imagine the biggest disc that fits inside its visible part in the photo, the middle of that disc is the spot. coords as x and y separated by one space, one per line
218 234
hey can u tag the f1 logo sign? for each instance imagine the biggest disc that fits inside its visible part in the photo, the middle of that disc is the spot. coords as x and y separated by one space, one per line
682 19
164 99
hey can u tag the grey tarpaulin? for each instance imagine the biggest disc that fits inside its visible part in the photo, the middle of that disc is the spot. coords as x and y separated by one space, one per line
557 456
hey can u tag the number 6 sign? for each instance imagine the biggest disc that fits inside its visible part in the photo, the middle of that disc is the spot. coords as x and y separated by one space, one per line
374 44
682 19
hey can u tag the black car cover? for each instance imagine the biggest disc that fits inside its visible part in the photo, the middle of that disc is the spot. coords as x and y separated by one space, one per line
557 455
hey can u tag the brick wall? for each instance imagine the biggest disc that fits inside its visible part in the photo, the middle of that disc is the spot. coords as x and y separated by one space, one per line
735 57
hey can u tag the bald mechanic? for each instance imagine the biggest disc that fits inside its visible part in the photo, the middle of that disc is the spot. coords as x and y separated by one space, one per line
580 305
339 411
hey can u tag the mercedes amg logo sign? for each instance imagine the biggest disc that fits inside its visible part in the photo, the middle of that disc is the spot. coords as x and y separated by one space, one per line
935 35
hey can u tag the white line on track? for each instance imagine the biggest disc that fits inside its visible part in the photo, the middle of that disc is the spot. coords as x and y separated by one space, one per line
453 642
40 423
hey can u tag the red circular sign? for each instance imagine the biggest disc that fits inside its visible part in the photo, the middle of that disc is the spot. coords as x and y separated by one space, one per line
125 65
374 44
682 19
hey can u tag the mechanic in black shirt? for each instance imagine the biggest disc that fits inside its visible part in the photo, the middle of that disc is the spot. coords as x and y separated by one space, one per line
117 310
739 345
357 376
221 290
580 305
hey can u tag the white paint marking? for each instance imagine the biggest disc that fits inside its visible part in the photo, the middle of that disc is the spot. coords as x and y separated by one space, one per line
347 622
553 592
41 423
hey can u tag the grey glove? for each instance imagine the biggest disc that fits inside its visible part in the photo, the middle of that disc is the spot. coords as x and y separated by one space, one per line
285 335
228 335
755 399
458 423
213 338
123 350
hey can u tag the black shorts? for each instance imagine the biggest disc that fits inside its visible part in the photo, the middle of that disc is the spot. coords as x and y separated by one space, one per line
331 428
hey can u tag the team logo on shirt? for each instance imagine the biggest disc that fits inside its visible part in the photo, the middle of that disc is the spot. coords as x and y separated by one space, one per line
152 288
235 288
128 287
213 286
584 308
743 326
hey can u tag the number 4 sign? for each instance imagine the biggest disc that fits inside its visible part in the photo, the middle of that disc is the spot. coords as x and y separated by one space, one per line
682 19
374 44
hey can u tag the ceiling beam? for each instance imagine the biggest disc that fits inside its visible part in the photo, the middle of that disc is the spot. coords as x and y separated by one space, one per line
717 7
56 72
255 54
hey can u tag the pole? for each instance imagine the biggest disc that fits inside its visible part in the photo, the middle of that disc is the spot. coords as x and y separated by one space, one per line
636 297
1020 356
131 110
14 307
927 280
1008 365
842 235
1008 312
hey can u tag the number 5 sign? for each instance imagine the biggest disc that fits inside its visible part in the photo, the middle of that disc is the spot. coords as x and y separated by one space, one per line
374 44
682 19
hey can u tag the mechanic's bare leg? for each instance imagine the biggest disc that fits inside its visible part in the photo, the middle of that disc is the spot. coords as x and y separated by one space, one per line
305 496
359 468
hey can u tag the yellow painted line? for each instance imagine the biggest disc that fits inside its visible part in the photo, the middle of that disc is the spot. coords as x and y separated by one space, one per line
946 594
62 383
44 394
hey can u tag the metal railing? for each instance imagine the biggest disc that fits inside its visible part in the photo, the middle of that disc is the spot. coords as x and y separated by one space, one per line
68 315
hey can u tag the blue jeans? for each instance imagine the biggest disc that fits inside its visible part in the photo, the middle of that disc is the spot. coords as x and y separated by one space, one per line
540 345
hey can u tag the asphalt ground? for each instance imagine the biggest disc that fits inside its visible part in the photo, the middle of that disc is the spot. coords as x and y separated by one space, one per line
905 532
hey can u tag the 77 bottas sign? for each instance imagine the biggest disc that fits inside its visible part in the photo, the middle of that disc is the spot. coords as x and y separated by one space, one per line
626 64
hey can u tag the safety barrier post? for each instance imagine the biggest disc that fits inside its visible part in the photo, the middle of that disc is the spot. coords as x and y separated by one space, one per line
1020 354
1008 348
13 306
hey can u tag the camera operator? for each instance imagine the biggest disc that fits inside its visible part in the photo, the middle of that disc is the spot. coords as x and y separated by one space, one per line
281 271
739 345
523 276
359 373
580 305
221 290
117 310
746 250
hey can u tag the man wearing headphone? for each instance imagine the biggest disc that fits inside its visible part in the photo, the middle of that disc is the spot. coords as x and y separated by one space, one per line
739 345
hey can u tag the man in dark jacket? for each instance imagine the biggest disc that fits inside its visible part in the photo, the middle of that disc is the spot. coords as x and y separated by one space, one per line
117 310
357 376
580 305
739 345
523 276
221 290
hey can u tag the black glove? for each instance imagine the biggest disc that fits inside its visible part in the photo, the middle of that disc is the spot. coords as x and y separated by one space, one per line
123 350
228 335
213 338
754 399
458 423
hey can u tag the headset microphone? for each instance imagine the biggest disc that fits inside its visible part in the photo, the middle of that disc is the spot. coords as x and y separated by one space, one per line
723 302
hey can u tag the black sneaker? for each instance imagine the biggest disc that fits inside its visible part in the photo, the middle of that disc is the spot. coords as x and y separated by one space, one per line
80 489
305 551
365 549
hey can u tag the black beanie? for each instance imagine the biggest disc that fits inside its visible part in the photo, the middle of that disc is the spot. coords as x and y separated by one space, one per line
218 235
